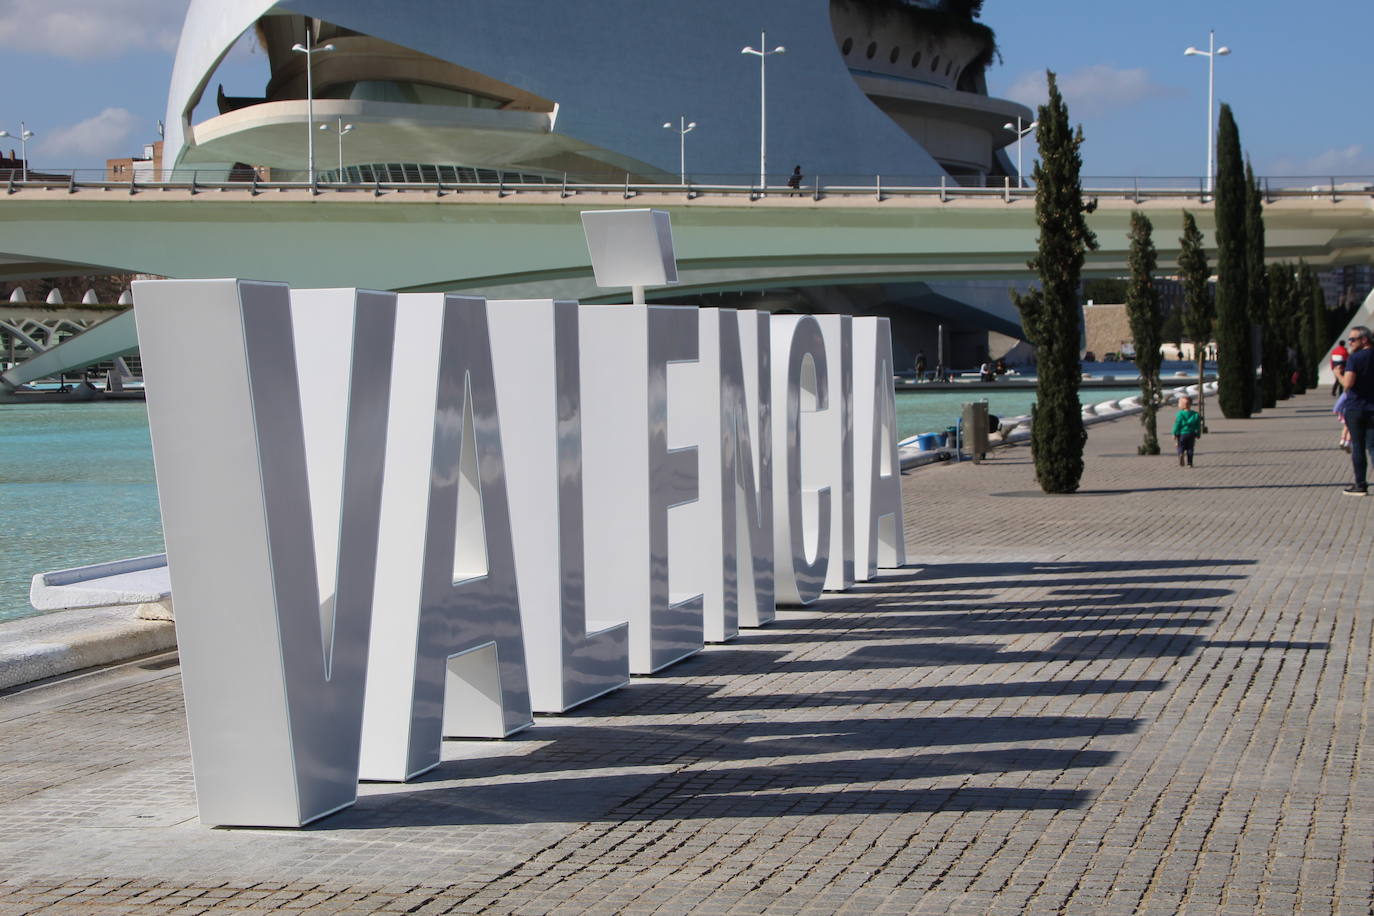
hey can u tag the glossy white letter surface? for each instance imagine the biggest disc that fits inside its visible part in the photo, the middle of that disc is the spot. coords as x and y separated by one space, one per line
731 536
834 445
879 538
269 480
571 658
801 499
633 480
448 656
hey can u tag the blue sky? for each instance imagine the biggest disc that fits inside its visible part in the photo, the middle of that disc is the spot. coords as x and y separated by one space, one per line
90 78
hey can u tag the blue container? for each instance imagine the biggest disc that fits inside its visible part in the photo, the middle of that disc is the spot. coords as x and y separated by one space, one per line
928 442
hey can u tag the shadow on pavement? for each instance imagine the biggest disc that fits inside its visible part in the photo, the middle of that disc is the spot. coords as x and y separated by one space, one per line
838 711
1034 494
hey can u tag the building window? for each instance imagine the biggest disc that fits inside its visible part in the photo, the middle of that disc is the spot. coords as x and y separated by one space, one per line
916 60
872 49
949 65
896 53
847 46
409 93
935 63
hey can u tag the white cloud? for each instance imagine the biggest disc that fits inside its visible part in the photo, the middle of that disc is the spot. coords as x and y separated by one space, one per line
105 135
1092 91
1029 89
1348 160
84 29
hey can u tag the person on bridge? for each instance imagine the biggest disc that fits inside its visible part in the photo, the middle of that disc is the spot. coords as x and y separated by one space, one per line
1357 378
920 365
796 180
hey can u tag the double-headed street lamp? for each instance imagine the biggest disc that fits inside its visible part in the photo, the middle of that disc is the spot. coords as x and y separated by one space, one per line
683 129
1021 134
24 135
1212 53
310 53
763 53
340 130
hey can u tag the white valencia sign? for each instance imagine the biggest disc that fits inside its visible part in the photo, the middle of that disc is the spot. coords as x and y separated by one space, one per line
394 519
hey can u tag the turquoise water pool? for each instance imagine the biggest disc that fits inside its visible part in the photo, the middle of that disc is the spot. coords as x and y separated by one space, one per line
933 411
76 480
76 487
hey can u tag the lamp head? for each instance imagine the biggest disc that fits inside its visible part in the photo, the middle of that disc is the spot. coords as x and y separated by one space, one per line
1223 51
1032 125
4 133
667 125
747 50
691 125
300 47
1191 51
346 128
779 50
327 48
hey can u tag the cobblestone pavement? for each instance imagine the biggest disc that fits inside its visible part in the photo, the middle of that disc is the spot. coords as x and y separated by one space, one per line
1152 697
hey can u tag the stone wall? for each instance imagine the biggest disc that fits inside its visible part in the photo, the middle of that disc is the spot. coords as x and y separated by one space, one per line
1107 328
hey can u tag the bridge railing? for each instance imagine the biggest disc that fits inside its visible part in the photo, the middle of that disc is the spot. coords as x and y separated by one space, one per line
815 187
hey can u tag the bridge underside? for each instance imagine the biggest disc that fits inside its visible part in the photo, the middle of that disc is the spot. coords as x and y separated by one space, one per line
530 245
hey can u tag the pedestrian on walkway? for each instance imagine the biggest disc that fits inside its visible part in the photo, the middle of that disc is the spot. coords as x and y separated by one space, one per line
1187 427
1338 358
1357 378
1343 443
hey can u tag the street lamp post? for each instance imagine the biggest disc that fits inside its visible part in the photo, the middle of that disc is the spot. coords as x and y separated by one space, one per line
24 135
1021 133
310 53
1212 53
340 130
683 129
762 53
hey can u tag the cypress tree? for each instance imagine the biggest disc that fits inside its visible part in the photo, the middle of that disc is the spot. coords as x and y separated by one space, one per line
1271 352
1172 329
1197 298
1279 324
1235 369
1300 326
1050 314
1142 309
1317 344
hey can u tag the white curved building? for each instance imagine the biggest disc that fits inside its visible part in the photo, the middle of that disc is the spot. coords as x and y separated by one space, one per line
436 88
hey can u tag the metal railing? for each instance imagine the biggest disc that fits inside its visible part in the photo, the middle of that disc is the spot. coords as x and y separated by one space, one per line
815 188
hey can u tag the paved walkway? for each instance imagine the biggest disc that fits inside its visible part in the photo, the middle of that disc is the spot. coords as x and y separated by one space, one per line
1149 697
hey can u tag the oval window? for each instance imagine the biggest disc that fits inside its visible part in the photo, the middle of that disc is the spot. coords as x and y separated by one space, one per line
872 49
896 53
847 46
935 63
916 59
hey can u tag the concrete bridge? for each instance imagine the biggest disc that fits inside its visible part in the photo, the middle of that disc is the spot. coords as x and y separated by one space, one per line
31 328
526 241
